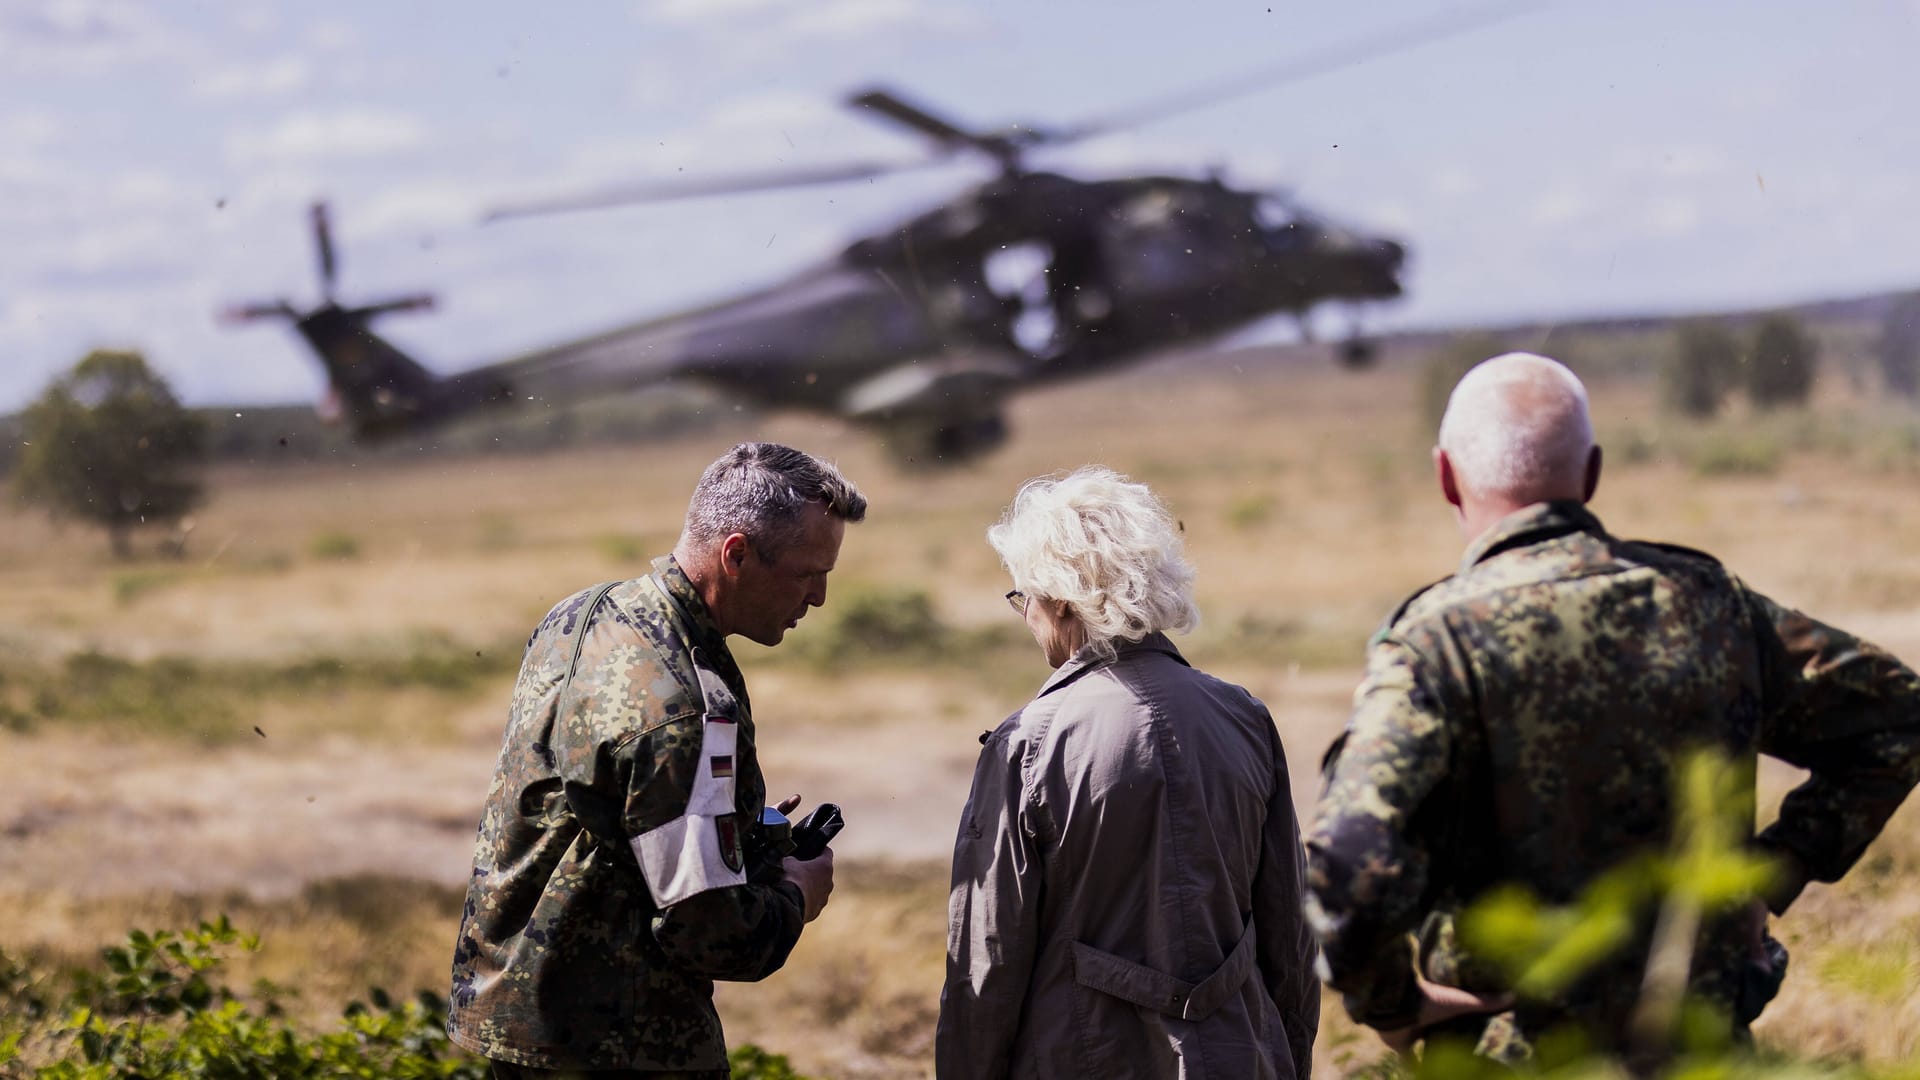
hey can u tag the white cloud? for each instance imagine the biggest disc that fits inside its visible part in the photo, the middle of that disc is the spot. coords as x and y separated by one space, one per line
282 75
1561 205
332 35
84 36
759 29
688 12
345 133
29 127
864 18
433 205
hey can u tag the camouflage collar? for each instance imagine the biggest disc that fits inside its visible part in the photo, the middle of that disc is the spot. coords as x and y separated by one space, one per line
1541 521
679 587
1086 660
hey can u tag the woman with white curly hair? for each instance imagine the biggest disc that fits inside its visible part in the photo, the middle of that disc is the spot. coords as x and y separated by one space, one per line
1127 878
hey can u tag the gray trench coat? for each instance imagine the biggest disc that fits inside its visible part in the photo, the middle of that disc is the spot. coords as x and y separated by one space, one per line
1126 886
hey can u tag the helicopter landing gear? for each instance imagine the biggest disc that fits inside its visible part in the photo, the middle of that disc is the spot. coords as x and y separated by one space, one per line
930 443
1358 353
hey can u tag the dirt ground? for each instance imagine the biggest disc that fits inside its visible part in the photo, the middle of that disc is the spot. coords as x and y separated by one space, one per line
1308 509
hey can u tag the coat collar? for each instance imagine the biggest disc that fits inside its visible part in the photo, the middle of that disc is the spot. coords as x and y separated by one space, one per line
1541 521
1086 660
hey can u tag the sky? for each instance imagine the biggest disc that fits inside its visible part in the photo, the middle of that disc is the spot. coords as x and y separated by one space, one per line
1580 159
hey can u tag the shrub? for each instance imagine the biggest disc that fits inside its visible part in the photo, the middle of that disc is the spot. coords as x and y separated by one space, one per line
1250 511
1737 454
1781 369
1702 367
882 622
1899 347
620 547
160 1009
334 545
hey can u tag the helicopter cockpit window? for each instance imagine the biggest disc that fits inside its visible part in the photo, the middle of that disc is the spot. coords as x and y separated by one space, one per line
1018 274
1274 212
1160 242
1282 223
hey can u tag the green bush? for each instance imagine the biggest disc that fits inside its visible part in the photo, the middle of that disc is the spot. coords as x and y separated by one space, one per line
620 547
1899 347
880 623
1708 871
133 584
1702 367
1731 453
1780 371
158 1007
1250 511
334 545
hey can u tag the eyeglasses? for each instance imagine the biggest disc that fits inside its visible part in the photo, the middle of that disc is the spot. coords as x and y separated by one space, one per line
1018 601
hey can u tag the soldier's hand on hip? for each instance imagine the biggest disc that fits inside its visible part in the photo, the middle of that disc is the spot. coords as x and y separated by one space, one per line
1439 1004
815 878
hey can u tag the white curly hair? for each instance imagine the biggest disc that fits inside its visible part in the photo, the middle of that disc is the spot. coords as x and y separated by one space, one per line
1103 545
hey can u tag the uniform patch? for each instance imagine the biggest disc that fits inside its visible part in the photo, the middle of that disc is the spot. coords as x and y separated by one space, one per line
727 835
689 855
722 765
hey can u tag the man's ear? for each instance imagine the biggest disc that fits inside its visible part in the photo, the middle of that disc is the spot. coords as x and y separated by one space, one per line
733 554
1443 472
1593 476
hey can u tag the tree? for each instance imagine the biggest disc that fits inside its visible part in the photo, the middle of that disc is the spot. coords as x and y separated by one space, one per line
109 444
1899 350
1703 366
1781 371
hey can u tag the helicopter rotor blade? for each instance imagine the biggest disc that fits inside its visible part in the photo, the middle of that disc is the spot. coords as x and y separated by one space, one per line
1346 54
414 302
323 244
697 187
236 314
897 109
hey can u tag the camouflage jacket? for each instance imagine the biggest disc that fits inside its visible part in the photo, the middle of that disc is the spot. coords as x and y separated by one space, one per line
610 885
1522 722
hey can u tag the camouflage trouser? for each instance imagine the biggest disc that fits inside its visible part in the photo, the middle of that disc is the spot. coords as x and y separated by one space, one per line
506 1071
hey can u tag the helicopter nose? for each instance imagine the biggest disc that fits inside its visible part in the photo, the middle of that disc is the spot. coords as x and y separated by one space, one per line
1392 252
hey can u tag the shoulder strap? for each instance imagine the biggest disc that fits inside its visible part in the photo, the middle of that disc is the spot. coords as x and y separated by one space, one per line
580 634
1393 619
1679 549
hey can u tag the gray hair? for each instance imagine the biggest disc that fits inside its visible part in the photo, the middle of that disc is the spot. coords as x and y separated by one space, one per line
1517 427
1106 547
761 490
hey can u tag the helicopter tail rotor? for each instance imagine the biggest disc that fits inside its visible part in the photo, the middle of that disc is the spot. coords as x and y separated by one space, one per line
323 248
377 388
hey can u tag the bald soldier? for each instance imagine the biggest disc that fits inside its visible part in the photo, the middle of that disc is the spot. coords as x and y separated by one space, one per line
1522 722
615 875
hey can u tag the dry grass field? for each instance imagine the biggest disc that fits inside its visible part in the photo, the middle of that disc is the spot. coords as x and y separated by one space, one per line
295 722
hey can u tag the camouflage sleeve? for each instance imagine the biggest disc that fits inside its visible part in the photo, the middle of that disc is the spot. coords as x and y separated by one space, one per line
1285 943
993 914
1367 869
682 821
1848 713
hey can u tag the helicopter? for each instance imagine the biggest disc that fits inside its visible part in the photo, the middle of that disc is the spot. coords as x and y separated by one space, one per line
922 332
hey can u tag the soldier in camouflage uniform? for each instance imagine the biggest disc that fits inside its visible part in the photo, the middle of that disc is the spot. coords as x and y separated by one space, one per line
614 874
1523 720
